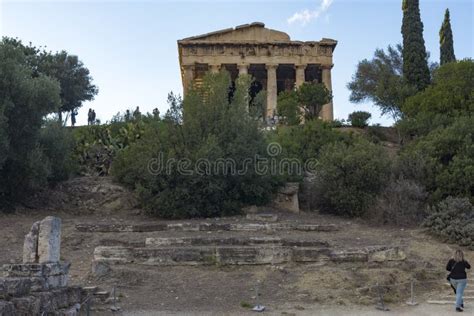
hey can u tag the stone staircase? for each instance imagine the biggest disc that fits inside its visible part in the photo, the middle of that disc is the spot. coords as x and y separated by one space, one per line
243 243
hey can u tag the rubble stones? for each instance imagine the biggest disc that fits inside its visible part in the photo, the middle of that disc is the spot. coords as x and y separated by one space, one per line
14 286
6 308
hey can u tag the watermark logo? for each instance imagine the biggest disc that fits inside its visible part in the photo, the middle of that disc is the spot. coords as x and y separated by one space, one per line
270 164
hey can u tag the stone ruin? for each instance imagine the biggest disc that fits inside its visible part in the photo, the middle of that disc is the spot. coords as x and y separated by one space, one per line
287 198
39 285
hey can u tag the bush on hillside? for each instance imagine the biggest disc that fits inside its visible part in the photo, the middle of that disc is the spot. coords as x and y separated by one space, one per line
453 221
98 145
58 145
350 176
443 160
402 202
359 119
305 141
179 167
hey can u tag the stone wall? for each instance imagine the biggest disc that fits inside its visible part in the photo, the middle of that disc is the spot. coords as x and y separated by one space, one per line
39 285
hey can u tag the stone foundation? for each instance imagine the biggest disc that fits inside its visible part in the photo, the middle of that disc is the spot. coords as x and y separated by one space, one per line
204 227
270 253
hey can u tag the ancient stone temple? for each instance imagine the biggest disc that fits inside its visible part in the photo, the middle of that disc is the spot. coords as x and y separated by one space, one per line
275 61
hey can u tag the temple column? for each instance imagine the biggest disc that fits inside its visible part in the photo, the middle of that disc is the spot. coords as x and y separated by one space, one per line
327 112
214 68
243 69
300 75
300 78
188 77
271 89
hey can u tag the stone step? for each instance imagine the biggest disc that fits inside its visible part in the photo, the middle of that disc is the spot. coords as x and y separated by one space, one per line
236 241
450 301
240 255
467 298
246 227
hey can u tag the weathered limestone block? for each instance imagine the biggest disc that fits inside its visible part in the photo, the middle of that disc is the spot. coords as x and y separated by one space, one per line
14 286
349 256
30 245
27 305
253 255
6 308
310 254
114 254
205 241
35 269
287 197
391 254
262 217
317 227
49 241
52 301
175 256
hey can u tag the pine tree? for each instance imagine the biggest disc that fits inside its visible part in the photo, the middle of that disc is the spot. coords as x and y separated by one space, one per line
415 65
446 41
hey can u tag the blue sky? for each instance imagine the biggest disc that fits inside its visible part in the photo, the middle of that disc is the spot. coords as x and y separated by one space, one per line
130 46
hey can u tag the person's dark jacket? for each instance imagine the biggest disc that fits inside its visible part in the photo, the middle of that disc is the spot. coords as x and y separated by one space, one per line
458 269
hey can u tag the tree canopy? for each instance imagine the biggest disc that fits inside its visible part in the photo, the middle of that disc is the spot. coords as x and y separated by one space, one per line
380 80
415 64
74 78
25 98
446 41
308 101
450 95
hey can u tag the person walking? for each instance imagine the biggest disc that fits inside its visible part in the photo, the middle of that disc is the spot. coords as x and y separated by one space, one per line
458 277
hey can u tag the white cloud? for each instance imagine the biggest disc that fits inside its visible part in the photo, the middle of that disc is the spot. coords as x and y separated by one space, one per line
306 16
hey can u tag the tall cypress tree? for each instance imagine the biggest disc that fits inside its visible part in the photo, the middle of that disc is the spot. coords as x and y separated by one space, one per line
446 41
415 64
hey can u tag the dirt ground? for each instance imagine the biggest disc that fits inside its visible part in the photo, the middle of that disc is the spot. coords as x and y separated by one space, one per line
286 289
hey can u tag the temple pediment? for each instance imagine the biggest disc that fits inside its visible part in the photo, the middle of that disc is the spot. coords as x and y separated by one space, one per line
255 32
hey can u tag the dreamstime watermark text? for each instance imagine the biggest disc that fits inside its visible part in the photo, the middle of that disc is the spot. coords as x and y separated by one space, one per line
270 164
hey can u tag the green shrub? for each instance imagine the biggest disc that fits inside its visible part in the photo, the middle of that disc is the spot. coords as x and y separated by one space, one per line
402 202
443 160
359 118
289 107
450 94
453 221
305 141
58 144
162 167
98 145
351 176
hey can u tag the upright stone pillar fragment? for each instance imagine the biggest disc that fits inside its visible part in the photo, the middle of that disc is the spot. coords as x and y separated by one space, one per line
49 240
30 245
271 89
